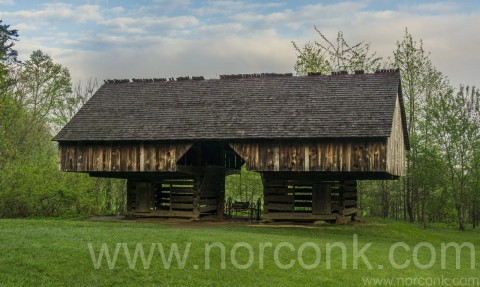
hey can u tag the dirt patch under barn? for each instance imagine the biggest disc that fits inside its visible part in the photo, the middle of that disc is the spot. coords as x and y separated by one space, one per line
186 223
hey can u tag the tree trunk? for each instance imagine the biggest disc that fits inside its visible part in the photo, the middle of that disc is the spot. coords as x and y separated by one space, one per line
408 202
461 224
385 200
108 194
474 217
404 187
424 210
477 218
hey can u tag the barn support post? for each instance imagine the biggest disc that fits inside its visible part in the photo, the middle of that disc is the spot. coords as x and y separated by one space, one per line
196 198
221 198
322 198
140 196
350 197
212 192
131 197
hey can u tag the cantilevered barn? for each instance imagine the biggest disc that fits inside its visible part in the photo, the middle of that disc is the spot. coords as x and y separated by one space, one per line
175 140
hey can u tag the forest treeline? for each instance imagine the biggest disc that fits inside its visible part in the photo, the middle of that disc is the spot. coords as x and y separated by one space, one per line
37 97
443 165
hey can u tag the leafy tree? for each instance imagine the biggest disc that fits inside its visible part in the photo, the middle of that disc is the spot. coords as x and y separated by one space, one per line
326 56
456 120
246 186
36 99
8 56
80 93
43 87
421 81
7 41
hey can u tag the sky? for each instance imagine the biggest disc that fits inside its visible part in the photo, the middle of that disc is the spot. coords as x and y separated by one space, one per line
113 39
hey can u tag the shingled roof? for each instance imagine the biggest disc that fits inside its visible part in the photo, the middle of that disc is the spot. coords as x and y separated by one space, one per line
234 108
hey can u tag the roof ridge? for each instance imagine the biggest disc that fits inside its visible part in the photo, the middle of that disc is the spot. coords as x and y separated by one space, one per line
247 76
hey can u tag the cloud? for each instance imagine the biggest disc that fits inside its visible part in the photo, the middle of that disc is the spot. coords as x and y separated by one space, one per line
54 12
160 26
117 10
263 52
7 2
241 36
304 17
24 27
172 4
137 24
231 6
436 7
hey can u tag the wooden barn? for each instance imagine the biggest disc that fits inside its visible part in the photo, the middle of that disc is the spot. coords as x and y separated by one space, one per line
175 140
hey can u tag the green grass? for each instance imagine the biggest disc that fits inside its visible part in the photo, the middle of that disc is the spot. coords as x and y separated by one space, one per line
48 252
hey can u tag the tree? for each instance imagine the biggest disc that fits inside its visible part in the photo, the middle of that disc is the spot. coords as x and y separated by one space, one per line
420 83
246 186
36 99
8 37
8 56
456 120
80 93
43 87
326 57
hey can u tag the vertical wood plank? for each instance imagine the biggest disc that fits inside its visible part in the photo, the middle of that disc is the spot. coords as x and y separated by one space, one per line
142 156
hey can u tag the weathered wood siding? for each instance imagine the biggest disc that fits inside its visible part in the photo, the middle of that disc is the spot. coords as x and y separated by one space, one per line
120 157
317 156
396 145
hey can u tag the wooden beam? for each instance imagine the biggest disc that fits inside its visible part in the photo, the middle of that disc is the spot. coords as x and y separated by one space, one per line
299 216
165 213
279 206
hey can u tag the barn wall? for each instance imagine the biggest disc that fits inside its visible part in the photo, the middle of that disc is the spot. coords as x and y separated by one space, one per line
396 145
120 157
315 156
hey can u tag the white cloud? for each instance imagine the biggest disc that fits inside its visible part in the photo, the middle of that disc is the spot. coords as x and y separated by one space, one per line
305 16
231 6
248 39
174 57
54 12
24 27
173 4
117 10
436 7
7 2
125 24
222 29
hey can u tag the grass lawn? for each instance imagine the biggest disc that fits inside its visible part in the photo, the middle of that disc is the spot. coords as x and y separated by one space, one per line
55 252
